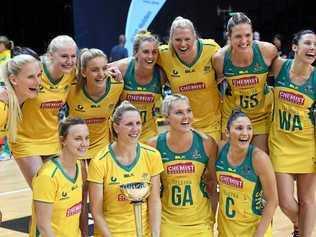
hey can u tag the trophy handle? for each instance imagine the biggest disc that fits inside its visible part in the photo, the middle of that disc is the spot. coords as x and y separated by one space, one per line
138 218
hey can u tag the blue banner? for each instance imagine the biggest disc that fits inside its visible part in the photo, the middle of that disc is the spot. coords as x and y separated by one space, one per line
140 15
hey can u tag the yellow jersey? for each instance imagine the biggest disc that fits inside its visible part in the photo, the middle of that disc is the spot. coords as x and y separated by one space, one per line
53 185
144 98
105 169
185 203
96 113
197 82
38 131
247 89
292 142
240 196
5 56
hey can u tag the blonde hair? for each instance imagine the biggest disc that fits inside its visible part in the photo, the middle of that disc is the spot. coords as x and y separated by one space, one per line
183 23
8 44
169 101
141 36
14 67
57 43
125 106
84 57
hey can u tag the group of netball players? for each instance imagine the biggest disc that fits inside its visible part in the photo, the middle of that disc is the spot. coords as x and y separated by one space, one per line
78 125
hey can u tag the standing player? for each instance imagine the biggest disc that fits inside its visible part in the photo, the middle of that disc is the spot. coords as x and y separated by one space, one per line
245 177
244 65
142 80
292 135
57 187
186 153
188 67
21 76
94 98
124 161
37 133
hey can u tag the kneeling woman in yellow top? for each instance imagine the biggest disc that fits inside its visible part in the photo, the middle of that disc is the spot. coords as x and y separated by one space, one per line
292 139
37 133
57 187
186 154
124 161
245 177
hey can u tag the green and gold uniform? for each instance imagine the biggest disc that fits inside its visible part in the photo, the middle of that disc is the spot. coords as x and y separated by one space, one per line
4 109
292 136
96 113
37 132
5 56
144 98
248 90
52 185
240 196
197 82
105 169
186 209
3 119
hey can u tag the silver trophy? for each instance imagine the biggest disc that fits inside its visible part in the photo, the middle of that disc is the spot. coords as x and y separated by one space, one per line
136 193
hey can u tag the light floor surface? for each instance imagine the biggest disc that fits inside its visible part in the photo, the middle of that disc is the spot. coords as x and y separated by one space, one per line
15 204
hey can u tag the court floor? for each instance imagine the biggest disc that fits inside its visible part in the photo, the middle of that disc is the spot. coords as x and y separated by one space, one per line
15 204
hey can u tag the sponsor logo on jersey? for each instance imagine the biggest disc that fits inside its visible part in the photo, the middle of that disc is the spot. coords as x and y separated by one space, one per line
145 98
189 70
74 187
245 81
192 87
196 154
95 106
80 108
128 175
113 181
94 120
179 157
75 209
207 68
292 97
52 104
175 73
181 168
41 89
231 181
121 197
145 176
64 196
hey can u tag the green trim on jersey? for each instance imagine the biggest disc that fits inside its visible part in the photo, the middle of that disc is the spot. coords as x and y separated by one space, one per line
49 76
147 149
105 154
107 89
199 46
130 83
245 169
58 165
308 88
191 154
126 167
257 66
